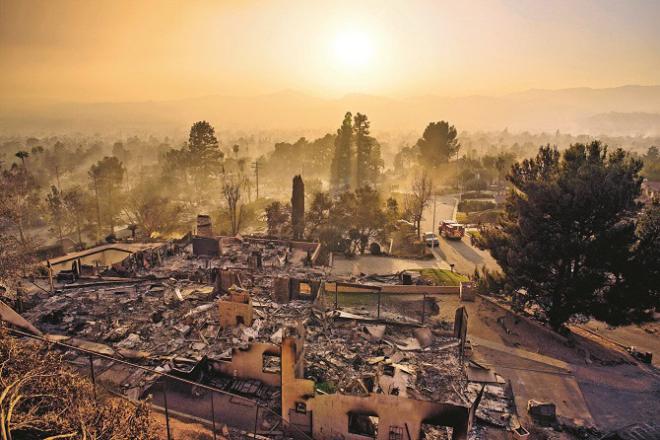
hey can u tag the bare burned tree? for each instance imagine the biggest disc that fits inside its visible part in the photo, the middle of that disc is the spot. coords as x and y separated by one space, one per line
231 190
150 210
415 202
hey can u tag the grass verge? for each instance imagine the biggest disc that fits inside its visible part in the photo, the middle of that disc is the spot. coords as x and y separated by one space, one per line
442 277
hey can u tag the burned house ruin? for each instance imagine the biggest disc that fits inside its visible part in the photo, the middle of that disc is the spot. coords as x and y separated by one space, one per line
259 318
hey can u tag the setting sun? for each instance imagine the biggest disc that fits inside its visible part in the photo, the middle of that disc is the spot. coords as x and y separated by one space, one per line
353 49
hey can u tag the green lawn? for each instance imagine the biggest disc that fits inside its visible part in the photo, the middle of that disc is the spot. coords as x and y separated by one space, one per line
442 277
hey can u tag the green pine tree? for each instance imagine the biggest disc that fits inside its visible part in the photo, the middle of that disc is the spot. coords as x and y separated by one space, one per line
568 230
341 167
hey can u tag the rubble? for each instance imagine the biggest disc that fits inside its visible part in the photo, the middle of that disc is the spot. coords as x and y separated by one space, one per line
353 351
223 317
170 313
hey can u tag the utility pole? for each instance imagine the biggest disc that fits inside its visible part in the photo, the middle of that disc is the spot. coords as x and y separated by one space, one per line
57 174
255 165
98 208
433 224
459 179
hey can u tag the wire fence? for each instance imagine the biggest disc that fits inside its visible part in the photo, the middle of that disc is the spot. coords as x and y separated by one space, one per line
369 301
224 402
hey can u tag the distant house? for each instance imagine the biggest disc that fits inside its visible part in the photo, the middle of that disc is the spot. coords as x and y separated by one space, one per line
651 190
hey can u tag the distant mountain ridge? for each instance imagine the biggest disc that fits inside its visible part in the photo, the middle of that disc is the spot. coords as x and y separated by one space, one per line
630 110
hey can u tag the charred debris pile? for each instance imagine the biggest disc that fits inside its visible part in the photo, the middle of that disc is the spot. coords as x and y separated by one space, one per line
218 310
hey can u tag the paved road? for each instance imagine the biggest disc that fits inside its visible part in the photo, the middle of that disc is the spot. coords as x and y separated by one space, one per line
444 209
464 256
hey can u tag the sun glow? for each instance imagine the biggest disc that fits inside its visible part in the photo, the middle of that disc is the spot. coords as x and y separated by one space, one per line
353 49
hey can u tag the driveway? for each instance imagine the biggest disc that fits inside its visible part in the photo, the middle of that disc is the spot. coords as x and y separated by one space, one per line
370 264
590 383
461 253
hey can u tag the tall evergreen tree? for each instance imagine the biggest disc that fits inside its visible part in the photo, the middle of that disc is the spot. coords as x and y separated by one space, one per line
202 140
438 143
341 167
363 143
298 208
568 229
106 177
376 162
190 169
204 155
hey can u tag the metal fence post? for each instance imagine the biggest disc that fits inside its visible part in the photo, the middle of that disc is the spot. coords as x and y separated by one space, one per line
336 294
378 313
256 420
213 412
91 368
167 413
423 308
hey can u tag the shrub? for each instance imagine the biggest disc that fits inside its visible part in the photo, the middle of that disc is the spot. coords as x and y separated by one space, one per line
476 205
43 397
475 184
488 282
489 216
476 195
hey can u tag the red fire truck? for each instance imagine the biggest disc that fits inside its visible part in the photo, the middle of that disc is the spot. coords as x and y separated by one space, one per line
451 230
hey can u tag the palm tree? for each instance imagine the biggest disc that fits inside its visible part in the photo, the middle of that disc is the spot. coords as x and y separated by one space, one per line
22 155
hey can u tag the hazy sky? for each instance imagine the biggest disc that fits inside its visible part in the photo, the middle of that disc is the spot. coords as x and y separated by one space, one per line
91 50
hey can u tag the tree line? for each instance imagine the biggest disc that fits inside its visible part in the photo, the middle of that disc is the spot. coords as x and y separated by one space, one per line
573 237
